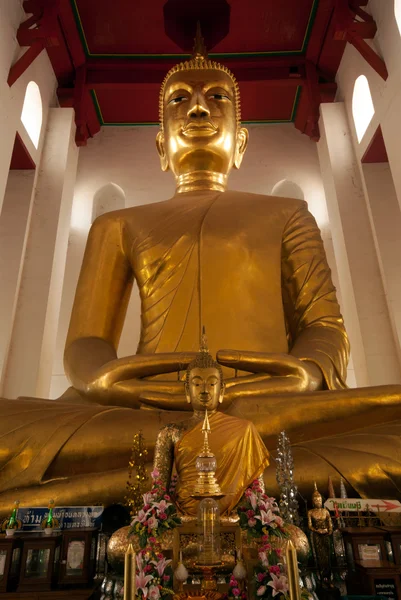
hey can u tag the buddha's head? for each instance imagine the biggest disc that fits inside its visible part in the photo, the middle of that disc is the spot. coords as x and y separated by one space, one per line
200 120
317 499
204 384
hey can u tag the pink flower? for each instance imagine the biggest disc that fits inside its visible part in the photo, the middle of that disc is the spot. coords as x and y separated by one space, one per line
152 523
279 521
161 565
161 506
163 516
248 492
279 584
250 514
154 592
155 474
251 522
261 590
275 569
167 497
152 540
253 500
140 517
148 569
147 498
266 518
166 578
236 592
261 576
264 559
142 581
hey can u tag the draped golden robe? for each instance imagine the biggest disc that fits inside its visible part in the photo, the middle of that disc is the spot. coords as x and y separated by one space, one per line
241 458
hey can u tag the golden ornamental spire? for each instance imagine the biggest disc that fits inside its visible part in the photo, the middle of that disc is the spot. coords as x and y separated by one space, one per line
199 49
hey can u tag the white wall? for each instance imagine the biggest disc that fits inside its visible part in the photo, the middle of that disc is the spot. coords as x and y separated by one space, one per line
127 157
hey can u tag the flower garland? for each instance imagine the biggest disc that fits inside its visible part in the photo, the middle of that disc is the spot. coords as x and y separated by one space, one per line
157 516
259 514
154 575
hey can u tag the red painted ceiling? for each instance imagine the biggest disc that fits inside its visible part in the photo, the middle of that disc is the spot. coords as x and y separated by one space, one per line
110 58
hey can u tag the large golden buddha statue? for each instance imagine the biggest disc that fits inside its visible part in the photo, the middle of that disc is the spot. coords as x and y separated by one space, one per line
253 270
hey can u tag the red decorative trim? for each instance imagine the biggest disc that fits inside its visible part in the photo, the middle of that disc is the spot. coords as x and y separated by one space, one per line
24 62
21 159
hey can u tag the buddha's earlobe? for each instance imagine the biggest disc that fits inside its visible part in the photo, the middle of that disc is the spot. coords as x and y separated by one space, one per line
221 397
187 396
161 151
240 146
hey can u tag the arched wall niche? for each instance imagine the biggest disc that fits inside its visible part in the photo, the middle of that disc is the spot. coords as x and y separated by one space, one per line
32 112
107 198
397 12
288 189
362 106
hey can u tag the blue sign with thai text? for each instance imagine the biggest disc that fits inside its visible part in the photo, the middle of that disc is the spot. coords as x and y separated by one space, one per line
68 517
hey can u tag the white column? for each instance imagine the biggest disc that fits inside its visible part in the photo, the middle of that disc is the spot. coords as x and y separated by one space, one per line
391 128
13 230
363 299
386 219
30 360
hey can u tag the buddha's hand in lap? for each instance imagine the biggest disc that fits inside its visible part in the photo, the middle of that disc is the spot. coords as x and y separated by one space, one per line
268 374
124 381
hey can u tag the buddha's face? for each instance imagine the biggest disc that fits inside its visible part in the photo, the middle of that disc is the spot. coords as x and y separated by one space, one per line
204 389
317 501
200 125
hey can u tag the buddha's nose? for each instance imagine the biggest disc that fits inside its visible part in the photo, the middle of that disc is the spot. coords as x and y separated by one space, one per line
198 107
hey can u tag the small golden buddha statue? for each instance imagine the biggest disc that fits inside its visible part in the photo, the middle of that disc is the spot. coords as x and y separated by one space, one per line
321 526
234 443
252 268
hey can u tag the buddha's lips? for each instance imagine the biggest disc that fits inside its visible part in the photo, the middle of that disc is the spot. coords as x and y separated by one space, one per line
205 128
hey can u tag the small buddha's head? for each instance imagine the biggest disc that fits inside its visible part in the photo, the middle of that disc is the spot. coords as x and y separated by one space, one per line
204 384
317 499
200 117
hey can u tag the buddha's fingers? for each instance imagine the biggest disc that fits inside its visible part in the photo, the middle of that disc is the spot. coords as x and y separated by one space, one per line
261 362
144 365
162 402
130 391
262 388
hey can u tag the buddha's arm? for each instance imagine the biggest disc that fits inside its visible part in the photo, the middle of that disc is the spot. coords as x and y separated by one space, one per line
329 523
100 303
97 318
315 325
164 454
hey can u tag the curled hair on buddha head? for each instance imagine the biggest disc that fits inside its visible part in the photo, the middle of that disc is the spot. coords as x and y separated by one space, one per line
204 360
200 61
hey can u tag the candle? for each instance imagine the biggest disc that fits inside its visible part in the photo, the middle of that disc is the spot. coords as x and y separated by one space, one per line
292 571
130 574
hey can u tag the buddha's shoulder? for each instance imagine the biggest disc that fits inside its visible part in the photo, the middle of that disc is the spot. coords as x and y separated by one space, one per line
171 432
270 202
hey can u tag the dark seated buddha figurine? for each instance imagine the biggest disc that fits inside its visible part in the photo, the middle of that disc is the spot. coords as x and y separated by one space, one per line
253 270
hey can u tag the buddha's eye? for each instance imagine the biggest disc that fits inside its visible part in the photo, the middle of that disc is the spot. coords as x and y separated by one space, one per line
219 96
177 100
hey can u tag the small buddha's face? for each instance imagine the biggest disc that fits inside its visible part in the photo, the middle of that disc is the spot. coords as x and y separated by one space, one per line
204 389
200 130
317 501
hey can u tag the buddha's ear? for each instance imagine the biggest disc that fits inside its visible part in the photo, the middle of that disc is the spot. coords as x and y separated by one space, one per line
187 396
240 146
222 390
161 150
